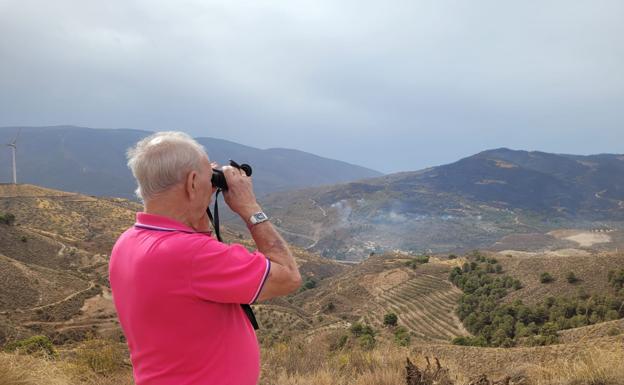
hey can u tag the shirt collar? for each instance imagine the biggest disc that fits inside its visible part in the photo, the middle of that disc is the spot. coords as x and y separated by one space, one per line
159 222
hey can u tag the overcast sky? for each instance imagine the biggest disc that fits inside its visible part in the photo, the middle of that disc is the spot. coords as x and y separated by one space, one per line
392 85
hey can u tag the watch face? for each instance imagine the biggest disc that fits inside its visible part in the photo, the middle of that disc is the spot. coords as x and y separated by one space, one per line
260 216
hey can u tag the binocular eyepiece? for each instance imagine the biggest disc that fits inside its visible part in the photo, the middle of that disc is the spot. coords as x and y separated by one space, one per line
218 179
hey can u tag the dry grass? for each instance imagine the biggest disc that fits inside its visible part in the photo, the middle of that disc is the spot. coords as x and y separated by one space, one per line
592 367
26 370
100 363
94 362
312 364
584 364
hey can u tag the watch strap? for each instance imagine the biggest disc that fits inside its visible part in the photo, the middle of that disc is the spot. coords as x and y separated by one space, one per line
258 217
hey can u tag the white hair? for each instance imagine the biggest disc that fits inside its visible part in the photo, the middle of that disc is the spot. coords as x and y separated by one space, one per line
163 160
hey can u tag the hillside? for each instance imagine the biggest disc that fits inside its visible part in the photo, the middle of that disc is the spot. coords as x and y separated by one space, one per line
591 271
476 202
93 161
54 265
53 282
423 299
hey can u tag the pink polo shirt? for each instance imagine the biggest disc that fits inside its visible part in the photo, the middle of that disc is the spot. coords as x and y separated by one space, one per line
178 294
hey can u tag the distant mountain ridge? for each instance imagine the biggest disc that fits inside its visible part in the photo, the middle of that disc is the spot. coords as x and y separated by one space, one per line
470 203
93 161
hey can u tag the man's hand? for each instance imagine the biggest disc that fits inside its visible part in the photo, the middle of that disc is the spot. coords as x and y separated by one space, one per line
239 195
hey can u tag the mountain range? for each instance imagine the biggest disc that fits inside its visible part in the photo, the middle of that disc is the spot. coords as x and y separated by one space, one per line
494 199
472 203
93 161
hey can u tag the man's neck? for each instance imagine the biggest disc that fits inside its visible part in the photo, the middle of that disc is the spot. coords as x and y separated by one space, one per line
165 207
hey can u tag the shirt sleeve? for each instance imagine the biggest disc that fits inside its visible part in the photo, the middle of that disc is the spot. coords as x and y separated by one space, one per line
228 273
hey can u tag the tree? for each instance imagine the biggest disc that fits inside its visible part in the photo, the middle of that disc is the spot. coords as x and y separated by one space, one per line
390 319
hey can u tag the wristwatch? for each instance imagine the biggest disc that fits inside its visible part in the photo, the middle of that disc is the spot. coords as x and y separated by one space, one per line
258 217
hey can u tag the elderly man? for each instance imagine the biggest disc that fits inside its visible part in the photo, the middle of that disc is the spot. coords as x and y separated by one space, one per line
177 290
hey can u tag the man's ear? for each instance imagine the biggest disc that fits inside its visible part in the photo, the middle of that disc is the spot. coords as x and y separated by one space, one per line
191 185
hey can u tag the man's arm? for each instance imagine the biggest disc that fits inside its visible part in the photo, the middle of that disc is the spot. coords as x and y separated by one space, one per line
284 277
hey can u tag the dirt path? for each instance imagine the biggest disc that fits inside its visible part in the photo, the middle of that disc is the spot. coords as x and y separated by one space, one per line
319 207
314 238
317 235
69 297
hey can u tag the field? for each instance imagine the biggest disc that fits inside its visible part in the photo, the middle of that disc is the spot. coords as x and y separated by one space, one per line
425 304
592 270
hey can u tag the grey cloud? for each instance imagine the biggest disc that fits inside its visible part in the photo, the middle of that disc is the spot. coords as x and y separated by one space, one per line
391 85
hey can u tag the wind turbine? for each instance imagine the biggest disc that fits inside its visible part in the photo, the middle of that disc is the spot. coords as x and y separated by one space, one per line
13 146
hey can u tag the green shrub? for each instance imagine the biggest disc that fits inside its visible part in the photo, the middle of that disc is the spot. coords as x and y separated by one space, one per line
390 319
367 341
37 345
358 329
571 277
339 343
7 219
402 336
308 283
612 315
616 279
545 277
417 260
470 341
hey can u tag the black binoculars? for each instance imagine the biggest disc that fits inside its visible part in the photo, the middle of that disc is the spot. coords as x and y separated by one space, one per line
218 179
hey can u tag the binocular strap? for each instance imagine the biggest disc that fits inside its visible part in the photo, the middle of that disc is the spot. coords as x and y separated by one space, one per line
215 223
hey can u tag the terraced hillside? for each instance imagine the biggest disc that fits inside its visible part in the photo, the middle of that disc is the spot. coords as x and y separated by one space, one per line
425 304
422 298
